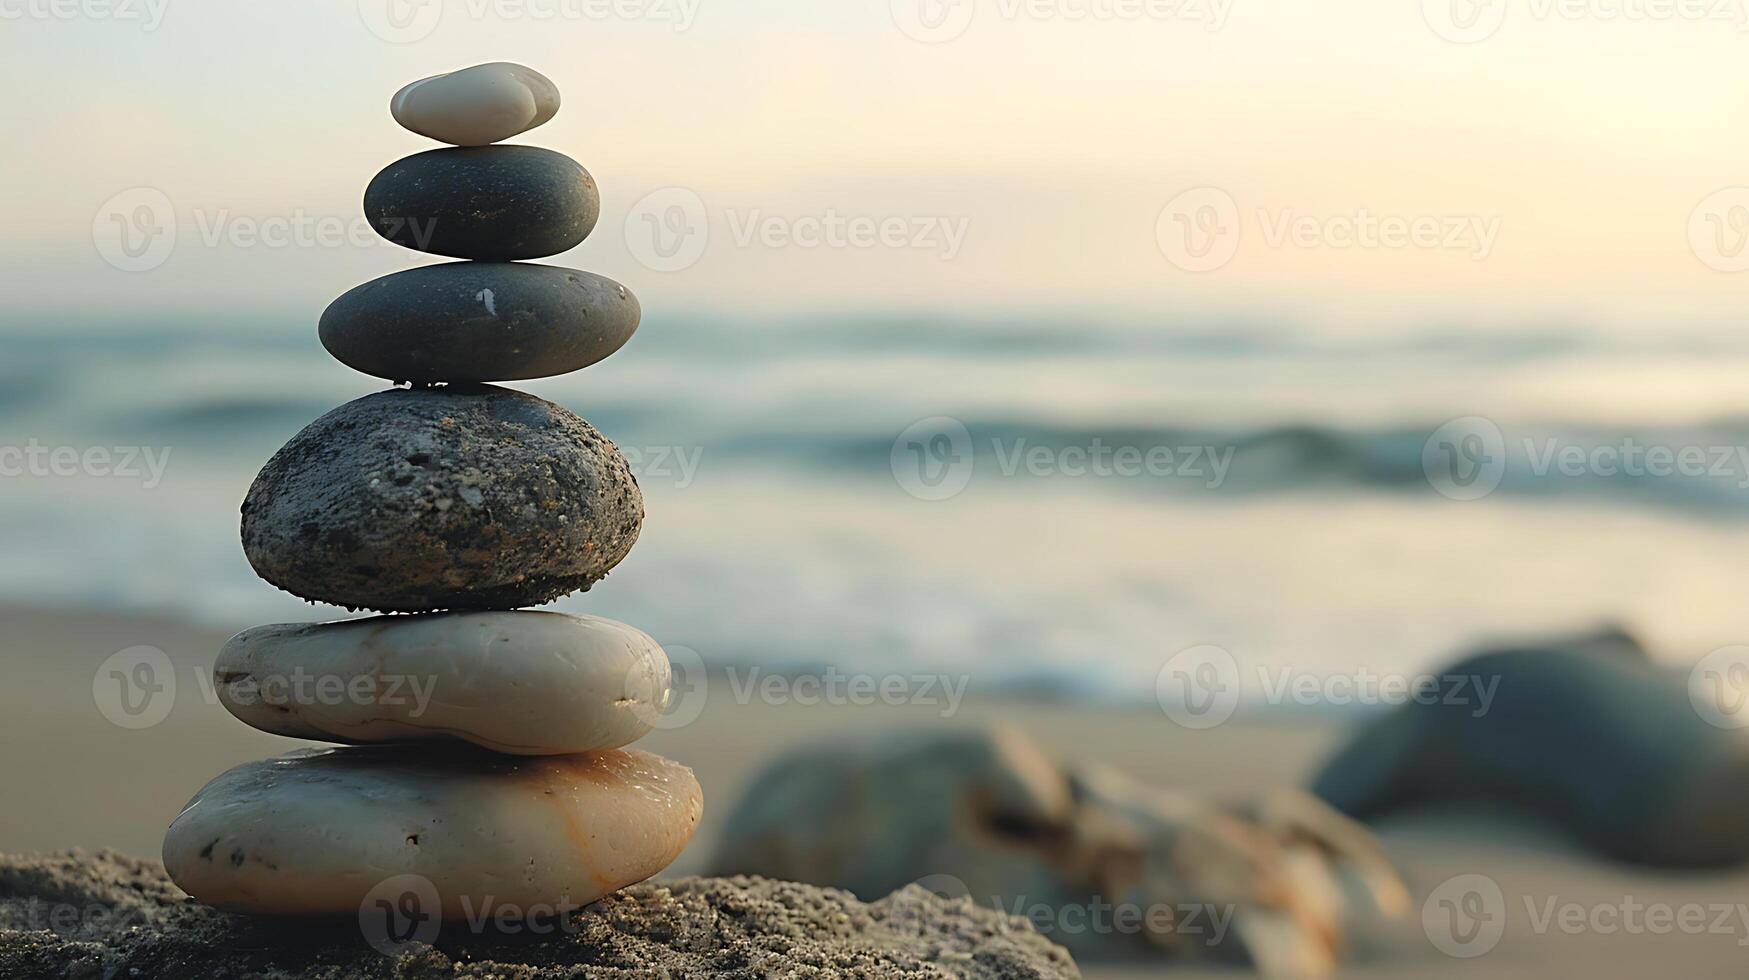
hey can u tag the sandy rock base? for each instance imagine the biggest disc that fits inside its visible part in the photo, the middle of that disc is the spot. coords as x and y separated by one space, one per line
108 915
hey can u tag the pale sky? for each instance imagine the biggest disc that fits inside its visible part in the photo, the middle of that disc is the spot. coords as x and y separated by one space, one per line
1561 164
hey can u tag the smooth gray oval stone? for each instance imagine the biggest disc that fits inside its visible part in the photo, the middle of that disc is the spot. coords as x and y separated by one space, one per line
467 497
479 321
493 203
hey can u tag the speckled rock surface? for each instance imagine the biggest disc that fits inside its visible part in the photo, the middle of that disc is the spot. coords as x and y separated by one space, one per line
479 321
466 497
493 203
124 918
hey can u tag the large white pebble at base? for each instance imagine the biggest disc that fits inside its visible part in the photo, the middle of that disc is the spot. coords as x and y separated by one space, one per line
523 683
476 106
315 831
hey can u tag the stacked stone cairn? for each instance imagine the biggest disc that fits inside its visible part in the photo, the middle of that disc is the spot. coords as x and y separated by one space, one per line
461 503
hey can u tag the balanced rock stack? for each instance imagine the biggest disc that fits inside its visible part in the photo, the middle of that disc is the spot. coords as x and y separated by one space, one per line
461 503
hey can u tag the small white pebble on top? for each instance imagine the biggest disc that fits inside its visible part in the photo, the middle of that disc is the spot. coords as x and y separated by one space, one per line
476 106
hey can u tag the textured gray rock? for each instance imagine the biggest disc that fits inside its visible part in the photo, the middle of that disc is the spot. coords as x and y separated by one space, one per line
467 497
134 923
479 321
493 203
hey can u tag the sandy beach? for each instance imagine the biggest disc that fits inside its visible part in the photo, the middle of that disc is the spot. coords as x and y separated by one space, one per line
1145 487
78 780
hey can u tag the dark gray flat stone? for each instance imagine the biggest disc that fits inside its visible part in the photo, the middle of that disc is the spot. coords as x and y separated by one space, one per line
469 497
494 203
479 321
1589 734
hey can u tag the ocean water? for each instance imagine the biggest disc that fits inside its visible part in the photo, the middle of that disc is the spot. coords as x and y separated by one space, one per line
1051 505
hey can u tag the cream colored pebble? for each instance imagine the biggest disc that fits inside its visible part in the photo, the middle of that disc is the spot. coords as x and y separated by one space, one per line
523 683
476 106
316 832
